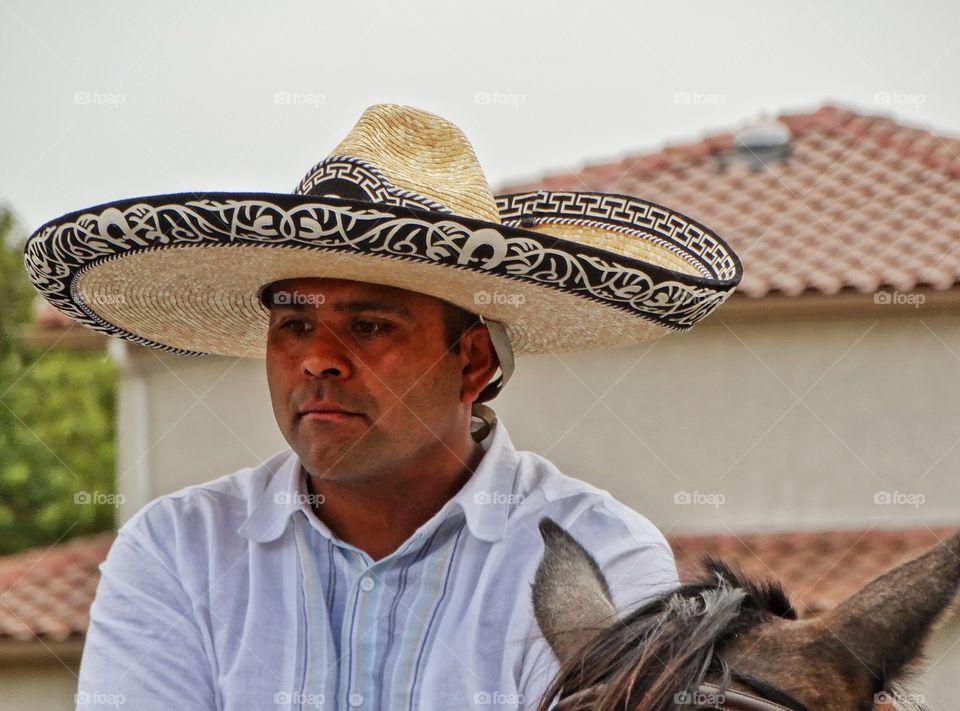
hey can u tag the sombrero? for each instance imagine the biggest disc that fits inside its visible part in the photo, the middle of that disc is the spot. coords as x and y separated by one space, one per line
401 201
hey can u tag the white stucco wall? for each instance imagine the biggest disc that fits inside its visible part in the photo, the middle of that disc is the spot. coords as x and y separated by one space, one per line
794 425
49 685
782 425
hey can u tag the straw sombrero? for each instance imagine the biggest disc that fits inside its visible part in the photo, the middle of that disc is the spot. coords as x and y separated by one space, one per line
402 201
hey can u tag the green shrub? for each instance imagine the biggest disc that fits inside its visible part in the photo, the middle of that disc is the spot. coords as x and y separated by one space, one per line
57 422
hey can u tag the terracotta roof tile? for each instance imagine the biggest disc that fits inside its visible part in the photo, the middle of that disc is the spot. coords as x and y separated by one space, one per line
47 592
860 203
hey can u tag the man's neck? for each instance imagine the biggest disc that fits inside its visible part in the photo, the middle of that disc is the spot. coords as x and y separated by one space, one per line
378 515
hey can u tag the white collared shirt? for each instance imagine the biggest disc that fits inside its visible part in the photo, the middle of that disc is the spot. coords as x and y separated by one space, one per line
233 595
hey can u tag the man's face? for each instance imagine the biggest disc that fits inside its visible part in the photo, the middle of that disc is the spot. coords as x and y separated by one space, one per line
376 352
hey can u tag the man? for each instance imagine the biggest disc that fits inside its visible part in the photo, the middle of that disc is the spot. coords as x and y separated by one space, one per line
384 560
373 390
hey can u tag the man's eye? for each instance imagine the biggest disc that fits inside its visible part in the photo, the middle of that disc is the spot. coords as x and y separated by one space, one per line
296 326
369 329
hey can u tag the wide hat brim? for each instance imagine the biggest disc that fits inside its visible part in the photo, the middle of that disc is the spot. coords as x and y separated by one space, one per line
183 273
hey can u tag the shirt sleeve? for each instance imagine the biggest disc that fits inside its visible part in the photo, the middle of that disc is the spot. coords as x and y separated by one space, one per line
637 563
143 647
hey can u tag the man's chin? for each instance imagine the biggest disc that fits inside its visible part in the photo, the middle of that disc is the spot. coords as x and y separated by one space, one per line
329 461
324 465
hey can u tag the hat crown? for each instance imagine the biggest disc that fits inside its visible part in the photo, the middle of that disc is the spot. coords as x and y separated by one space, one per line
403 155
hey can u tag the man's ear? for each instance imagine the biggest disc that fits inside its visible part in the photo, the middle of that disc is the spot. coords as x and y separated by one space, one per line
479 360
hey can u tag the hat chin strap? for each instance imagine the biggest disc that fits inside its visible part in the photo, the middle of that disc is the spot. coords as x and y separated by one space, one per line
486 415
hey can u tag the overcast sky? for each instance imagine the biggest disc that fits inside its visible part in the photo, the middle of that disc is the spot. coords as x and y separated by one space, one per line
105 100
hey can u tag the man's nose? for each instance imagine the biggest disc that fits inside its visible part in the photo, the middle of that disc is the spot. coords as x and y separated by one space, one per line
326 356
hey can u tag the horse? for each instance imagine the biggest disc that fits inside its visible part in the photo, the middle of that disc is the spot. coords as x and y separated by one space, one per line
727 642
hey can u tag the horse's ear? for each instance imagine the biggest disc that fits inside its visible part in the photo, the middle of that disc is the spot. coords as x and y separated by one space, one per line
886 623
571 599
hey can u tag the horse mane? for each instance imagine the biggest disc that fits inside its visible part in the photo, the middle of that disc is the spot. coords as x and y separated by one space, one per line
764 596
666 647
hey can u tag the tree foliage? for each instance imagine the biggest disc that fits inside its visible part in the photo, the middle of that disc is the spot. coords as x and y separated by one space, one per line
57 441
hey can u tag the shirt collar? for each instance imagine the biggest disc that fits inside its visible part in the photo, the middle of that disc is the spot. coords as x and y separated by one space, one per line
282 496
485 500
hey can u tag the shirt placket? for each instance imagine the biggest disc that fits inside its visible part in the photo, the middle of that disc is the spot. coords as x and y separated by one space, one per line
360 629
364 622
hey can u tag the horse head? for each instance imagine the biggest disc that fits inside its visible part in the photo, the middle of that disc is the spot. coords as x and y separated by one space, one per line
724 633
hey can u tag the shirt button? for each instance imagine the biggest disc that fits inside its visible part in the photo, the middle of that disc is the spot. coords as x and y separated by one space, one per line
355 698
366 583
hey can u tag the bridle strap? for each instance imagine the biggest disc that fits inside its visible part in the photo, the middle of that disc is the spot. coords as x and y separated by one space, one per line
729 700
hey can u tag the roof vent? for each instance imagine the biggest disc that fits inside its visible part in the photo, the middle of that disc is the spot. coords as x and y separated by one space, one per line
759 145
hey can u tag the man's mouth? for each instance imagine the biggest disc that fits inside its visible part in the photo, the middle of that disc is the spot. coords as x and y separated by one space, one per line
326 411
328 415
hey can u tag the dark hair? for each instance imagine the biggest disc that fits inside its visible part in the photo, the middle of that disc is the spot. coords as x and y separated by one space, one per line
457 322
